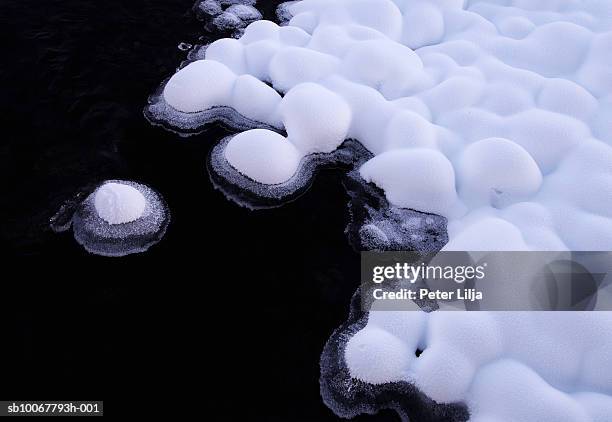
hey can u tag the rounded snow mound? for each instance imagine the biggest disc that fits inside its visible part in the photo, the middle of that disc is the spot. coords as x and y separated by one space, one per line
117 203
263 155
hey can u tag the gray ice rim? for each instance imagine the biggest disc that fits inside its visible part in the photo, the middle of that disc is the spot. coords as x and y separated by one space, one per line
370 213
159 113
348 397
114 240
251 194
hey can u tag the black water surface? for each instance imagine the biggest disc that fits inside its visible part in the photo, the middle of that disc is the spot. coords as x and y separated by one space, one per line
228 315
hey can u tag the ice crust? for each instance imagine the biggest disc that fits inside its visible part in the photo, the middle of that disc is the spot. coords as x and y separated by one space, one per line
228 15
494 115
118 218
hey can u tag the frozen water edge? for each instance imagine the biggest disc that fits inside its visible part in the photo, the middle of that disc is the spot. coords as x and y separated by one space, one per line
374 224
493 128
101 238
251 194
160 113
457 91
349 397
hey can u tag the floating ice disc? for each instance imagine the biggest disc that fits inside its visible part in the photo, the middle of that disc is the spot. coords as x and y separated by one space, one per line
119 218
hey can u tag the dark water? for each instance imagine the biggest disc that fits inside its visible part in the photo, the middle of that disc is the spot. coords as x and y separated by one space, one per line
229 313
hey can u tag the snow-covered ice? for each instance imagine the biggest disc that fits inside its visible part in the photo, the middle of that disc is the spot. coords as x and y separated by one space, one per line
493 114
118 218
508 104
508 366
249 148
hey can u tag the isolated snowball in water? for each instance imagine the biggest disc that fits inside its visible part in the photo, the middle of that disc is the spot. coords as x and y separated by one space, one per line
119 218
117 203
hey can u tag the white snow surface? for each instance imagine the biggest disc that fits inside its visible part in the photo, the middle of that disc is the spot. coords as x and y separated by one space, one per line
507 103
507 366
118 203
495 114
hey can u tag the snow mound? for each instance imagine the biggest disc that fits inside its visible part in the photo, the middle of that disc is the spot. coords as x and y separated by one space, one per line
421 179
263 155
316 119
199 86
117 203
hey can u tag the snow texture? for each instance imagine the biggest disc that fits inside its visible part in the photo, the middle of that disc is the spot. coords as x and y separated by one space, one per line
507 366
491 114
